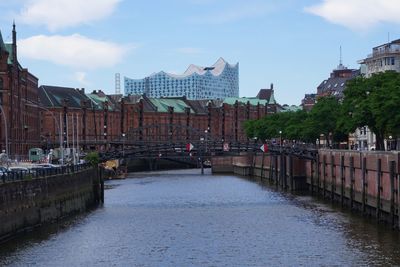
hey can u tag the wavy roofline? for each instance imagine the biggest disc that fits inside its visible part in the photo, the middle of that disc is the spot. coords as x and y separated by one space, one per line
216 70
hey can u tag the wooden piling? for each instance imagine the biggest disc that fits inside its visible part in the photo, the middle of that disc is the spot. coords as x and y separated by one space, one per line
364 183
318 176
262 166
333 178
312 177
378 188
323 175
342 180
392 167
351 182
291 173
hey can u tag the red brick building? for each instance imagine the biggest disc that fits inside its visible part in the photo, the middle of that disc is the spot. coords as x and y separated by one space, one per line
18 99
97 120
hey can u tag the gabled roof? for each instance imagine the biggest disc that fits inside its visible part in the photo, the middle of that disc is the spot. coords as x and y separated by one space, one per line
100 99
53 96
162 104
265 94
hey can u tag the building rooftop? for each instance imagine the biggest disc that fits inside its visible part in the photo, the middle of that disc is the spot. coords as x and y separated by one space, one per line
53 96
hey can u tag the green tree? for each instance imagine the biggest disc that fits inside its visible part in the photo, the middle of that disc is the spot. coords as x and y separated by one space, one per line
323 119
93 158
373 102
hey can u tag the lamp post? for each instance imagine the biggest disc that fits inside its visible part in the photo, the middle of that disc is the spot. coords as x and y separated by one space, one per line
201 157
123 144
280 140
389 145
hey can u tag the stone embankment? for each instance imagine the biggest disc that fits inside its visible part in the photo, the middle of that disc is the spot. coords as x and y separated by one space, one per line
31 202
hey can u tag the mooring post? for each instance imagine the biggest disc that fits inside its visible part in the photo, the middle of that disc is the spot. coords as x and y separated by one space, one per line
262 166
276 171
342 180
378 188
324 175
291 173
364 183
351 182
333 178
392 167
312 177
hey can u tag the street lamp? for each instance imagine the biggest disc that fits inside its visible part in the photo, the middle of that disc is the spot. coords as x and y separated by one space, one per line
123 144
201 156
280 140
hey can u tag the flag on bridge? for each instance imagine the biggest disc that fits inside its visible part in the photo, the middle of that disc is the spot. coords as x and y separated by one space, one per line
264 148
189 147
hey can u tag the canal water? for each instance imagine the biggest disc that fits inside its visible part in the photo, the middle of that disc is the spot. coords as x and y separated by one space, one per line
180 218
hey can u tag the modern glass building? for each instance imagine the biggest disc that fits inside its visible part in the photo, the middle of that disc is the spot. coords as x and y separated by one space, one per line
218 81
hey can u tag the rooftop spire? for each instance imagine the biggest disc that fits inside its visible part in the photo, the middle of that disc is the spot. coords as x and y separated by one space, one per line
340 66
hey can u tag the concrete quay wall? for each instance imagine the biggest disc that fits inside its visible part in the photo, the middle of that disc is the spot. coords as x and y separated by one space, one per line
29 203
366 182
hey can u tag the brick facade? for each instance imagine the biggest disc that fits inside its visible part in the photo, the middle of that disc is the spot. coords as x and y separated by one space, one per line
18 90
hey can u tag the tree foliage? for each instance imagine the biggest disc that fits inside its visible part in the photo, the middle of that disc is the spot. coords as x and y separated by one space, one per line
93 158
372 102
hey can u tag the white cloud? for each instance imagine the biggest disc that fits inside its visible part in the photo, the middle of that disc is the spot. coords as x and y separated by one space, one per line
80 76
58 14
358 14
190 50
75 50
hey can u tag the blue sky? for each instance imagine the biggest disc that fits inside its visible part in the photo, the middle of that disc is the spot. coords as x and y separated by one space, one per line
291 43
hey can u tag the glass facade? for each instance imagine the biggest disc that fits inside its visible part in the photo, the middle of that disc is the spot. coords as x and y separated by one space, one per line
219 81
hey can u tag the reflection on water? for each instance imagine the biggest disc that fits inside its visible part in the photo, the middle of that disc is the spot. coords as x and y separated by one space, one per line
180 218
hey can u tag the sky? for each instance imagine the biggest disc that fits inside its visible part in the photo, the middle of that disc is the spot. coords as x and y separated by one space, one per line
293 44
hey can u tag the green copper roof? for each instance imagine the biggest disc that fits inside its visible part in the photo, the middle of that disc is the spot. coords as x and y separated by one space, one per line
253 101
162 104
99 100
